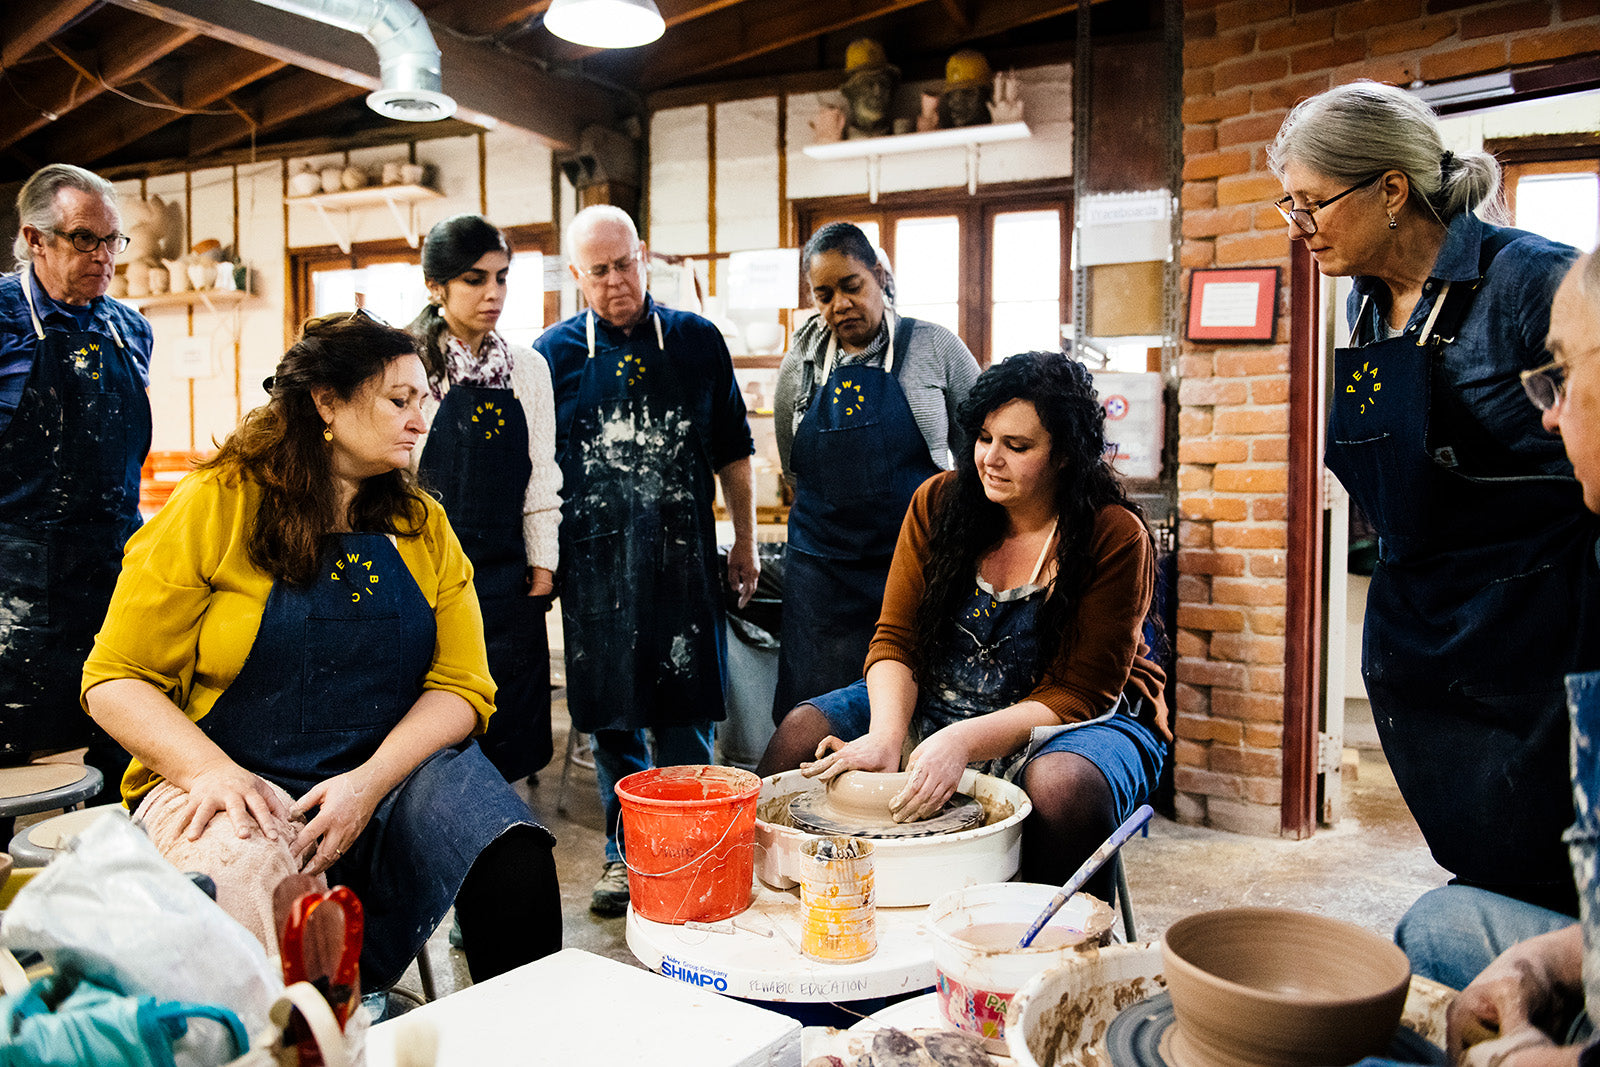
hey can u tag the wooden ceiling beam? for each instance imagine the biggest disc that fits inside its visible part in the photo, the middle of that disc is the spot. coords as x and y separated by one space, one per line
988 18
478 17
30 23
960 20
489 86
281 101
754 28
125 46
205 80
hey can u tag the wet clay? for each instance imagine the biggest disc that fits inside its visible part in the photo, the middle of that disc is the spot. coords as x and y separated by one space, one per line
1004 937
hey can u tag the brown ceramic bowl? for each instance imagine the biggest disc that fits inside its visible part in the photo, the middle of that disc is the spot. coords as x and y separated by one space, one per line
1280 988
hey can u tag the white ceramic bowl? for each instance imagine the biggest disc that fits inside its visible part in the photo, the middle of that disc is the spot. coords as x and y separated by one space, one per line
910 871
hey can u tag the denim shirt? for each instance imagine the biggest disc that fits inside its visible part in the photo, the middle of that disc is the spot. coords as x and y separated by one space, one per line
18 342
1502 335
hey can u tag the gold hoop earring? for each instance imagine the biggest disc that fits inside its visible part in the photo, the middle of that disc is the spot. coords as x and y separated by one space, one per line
327 434
1394 224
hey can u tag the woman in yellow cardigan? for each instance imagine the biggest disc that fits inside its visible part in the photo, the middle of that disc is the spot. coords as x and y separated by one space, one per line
295 658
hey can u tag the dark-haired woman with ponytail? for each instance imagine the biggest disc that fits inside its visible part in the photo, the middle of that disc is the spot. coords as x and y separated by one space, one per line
295 659
1011 637
490 458
864 401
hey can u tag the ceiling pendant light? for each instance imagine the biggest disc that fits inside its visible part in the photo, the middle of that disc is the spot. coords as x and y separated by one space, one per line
605 23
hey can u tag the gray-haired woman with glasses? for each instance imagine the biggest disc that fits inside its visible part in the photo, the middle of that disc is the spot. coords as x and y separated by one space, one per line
1474 613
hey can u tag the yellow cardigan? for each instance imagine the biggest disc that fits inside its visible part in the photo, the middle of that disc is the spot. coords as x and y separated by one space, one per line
189 602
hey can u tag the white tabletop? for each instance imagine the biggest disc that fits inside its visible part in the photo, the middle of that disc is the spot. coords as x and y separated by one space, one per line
745 963
576 1008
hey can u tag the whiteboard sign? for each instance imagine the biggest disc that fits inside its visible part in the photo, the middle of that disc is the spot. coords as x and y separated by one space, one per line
1135 421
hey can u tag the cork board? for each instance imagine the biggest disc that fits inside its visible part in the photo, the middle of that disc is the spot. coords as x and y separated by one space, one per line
1125 299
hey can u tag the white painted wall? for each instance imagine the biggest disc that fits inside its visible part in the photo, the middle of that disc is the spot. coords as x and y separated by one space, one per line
748 209
517 175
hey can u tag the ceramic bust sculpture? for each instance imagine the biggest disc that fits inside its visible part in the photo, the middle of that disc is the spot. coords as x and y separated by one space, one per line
1007 104
869 88
966 89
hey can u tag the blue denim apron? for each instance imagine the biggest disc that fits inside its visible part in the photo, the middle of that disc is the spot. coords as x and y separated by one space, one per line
858 456
1473 614
476 461
69 499
1583 839
334 667
988 662
640 601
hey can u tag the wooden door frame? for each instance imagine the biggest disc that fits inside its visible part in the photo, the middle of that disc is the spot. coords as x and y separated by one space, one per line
1302 668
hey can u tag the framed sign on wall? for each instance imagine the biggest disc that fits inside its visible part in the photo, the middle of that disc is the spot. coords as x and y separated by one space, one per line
1233 304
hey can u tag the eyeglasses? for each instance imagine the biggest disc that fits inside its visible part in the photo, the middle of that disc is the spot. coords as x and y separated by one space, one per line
85 241
600 271
1546 386
1301 217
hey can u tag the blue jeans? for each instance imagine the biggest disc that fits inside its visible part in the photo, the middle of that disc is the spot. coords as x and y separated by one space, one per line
619 753
1453 932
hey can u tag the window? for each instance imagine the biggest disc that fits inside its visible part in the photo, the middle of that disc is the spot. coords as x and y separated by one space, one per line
385 277
991 267
1560 201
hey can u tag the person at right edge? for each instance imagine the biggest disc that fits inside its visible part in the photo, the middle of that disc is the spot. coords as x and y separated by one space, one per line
866 398
1477 605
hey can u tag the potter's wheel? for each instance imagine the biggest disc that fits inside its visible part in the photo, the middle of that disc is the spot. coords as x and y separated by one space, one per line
1146 1035
814 813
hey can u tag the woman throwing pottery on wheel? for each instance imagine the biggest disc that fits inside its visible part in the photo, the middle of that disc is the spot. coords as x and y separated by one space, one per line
1477 604
865 399
295 635
490 457
1011 633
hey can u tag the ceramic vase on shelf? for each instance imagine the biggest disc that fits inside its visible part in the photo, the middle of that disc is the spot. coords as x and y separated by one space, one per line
177 275
157 281
412 173
304 181
352 177
330 179
202 274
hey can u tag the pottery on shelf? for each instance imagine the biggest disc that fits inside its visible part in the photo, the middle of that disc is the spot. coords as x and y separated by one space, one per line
177 275
304 181
156 283
411 173
138 276
119 285
352 177
202 274
391 172
330 179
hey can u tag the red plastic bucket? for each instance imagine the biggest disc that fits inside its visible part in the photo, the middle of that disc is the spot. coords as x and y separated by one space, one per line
689 836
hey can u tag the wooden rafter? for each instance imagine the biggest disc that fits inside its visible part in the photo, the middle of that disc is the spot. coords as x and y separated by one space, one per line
482 16
126 45
754 28
488 85
281 101
30 23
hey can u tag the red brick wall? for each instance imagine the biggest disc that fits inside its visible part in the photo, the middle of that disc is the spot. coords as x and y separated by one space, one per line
1246 62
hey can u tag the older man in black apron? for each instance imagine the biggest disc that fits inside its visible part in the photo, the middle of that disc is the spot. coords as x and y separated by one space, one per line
74 430
647 413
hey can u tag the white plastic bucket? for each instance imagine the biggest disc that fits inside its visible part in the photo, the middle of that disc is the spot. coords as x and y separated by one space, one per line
975 984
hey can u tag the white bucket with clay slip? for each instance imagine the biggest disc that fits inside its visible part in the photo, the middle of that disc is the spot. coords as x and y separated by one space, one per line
979 966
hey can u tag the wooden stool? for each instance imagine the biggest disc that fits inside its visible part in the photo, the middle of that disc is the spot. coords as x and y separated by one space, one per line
37 845
45 786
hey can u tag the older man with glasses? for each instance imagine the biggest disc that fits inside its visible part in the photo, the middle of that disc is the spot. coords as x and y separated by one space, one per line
647 414
74 430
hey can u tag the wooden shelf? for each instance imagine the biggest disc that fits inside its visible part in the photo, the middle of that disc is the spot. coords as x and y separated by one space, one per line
347 200
873 149
214 299
927 141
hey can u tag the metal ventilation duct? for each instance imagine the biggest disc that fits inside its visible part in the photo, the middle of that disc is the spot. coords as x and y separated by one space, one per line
408 58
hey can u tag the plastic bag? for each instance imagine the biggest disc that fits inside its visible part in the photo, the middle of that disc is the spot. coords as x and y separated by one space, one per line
109 908
65 1021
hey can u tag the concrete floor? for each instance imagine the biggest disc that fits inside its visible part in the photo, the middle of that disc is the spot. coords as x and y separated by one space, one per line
1367 870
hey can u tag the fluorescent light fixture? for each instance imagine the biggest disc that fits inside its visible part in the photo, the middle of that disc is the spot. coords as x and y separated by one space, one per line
1465 90
605 23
